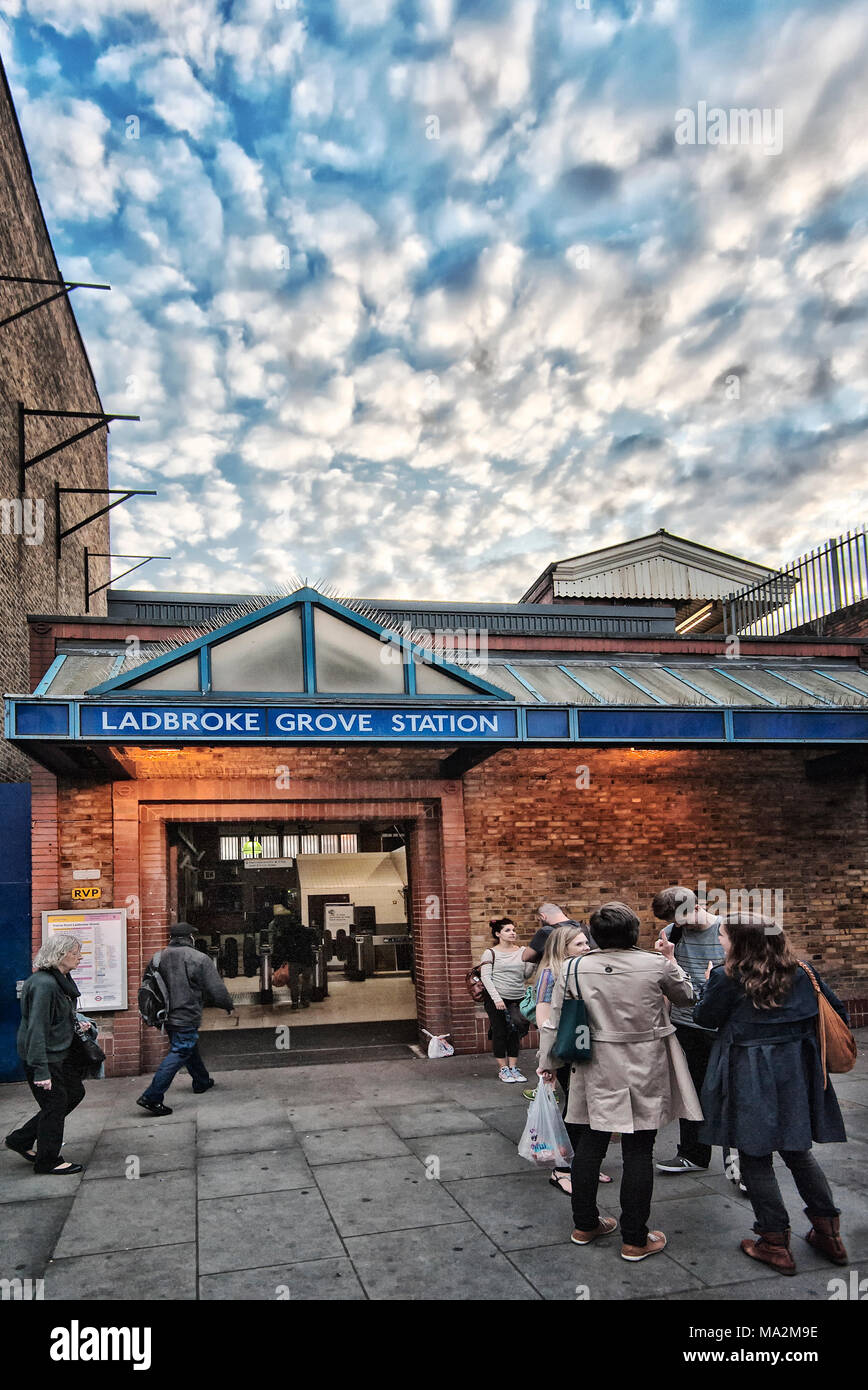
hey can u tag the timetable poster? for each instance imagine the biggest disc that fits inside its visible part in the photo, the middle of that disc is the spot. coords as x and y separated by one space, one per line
102 974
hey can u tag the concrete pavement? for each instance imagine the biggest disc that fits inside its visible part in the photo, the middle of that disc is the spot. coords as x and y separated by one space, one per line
391 1180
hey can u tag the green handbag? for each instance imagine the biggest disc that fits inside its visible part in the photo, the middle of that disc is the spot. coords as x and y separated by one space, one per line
573 1042
527 1007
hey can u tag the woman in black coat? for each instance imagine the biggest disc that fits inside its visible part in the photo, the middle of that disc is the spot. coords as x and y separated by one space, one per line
764 1089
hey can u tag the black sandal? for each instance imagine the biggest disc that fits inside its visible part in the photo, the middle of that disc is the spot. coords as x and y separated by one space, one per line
555 1181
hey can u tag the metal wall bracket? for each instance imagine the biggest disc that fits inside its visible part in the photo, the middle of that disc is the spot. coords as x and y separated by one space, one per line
127 493
102 421
111 555
65 287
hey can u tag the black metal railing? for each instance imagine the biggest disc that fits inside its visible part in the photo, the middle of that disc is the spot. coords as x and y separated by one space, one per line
804 593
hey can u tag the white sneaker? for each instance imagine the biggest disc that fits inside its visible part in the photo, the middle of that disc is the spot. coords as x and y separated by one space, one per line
516 1074
505 1074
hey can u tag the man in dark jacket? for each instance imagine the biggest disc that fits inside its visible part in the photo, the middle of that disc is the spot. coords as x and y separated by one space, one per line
293 946
192 981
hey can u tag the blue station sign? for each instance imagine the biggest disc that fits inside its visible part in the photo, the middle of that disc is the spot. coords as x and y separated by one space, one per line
127 723
33 719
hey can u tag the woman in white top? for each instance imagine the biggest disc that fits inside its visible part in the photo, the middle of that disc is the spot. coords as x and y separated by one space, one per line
503 973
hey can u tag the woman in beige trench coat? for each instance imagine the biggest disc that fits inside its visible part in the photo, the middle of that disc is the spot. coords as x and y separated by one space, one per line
636 1081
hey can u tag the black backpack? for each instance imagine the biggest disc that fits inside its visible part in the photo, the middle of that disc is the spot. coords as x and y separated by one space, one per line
153 995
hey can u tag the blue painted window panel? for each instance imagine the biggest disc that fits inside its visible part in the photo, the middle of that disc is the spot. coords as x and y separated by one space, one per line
548 723
785 724
650 724
42 719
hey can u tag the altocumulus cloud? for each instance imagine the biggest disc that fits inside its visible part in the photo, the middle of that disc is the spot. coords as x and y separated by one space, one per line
416 297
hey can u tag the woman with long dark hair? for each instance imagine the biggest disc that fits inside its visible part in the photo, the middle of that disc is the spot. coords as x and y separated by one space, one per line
503 972
765 1091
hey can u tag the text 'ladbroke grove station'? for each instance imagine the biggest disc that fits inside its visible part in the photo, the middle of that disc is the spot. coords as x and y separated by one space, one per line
124 721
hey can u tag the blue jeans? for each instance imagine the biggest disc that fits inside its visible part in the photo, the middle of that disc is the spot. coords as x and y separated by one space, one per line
183 1052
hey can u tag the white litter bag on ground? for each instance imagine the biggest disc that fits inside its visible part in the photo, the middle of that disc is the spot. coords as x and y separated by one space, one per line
438 1046
545 1141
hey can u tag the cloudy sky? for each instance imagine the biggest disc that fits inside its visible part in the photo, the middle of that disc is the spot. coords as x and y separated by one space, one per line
415 296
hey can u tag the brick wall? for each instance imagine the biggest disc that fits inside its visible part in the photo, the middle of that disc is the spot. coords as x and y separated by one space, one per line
738 818
42 363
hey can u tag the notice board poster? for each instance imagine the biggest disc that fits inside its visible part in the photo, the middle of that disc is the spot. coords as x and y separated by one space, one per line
339 916
102 974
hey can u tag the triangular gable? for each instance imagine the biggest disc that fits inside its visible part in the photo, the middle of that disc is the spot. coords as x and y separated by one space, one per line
659 566
304 645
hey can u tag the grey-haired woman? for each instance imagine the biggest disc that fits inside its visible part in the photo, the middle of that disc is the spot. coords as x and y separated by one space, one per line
48 1009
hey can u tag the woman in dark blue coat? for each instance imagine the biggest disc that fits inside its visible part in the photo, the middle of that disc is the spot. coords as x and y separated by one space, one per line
764 1089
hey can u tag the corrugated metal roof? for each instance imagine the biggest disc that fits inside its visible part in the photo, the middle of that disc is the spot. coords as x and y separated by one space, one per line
657 577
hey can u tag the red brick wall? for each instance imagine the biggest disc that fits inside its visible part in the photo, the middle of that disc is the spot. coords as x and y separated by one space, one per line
737 818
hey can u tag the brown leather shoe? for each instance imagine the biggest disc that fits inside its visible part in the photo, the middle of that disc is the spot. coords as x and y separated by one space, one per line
772 1248
824 1236
605 1226
655 1242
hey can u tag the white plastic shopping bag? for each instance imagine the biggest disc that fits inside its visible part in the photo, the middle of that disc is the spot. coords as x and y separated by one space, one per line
438 1046
545 1141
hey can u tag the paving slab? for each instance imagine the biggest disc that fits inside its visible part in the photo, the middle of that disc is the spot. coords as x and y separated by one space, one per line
274 1228
384 1194
855 1120
469 1155
164 1273
256 1110
508 1120
314 1119
453 1262
29 1232
704 1234
517 1211
593 1272
236 1174
157 1150
306 1281
130 1213
487 1092
351 1144
28 1186
430 1118
243 1139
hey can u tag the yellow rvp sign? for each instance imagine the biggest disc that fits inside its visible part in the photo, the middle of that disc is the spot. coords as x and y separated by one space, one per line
81 893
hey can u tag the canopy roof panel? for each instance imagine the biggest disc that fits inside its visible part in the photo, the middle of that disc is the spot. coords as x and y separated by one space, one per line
305 644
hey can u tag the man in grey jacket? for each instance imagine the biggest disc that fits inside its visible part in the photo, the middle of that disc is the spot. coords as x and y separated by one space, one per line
192 981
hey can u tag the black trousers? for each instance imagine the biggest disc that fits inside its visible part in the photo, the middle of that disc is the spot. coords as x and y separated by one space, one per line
508 1027
758 1176
637 1181
697 1047
45 1129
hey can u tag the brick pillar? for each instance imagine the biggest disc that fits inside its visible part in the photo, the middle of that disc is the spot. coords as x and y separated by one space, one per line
462 1009
429 924
46 874
155 907
126 1059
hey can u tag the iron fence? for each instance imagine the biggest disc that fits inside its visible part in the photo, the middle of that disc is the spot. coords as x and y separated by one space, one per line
810 589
